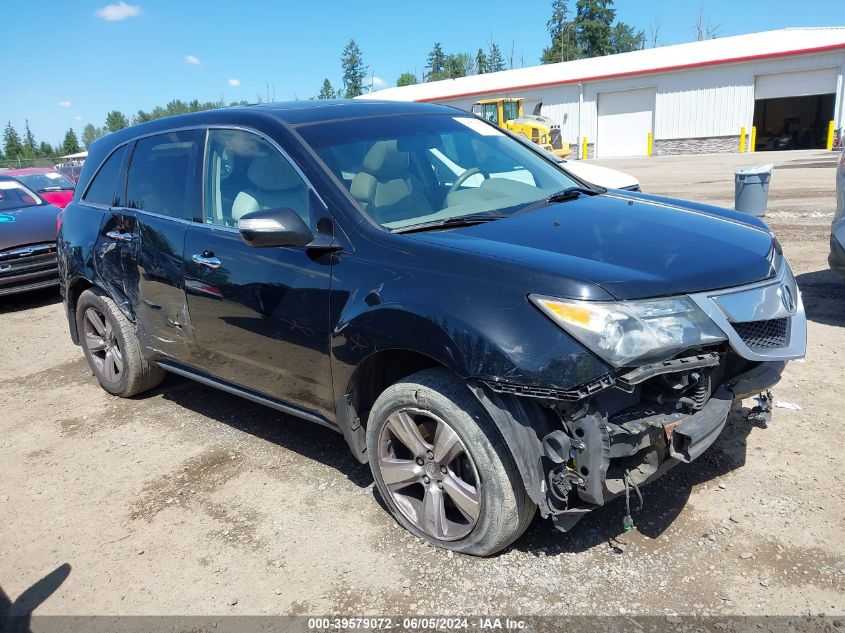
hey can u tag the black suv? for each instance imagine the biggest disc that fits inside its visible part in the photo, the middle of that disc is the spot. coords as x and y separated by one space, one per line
492 335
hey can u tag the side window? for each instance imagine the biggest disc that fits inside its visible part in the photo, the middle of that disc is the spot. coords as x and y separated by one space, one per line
161 174
245 173
102 187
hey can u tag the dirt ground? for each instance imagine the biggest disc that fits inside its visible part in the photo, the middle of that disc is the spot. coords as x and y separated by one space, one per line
192 501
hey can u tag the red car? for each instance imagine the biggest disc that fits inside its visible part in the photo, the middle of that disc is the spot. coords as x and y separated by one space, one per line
54 187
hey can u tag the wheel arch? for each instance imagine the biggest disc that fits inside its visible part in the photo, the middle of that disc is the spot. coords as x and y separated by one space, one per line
375 373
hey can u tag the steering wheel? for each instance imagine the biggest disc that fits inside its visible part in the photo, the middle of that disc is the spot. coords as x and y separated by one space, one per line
463 177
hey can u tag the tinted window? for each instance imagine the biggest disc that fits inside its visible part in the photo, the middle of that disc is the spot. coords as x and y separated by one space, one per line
244 173
101 189
161 174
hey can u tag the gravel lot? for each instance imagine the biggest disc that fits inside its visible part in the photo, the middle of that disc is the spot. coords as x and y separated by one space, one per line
191 501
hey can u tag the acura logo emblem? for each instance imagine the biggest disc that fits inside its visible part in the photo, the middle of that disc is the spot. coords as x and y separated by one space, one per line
787 298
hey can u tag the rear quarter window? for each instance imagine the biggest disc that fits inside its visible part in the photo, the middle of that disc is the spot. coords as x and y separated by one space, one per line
103 185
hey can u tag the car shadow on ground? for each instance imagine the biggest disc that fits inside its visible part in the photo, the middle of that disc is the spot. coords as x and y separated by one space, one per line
299 436
823 293
15 615
29 300
663 500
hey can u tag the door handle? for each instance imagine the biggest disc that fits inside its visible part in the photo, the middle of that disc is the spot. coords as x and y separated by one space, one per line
210 262
120 237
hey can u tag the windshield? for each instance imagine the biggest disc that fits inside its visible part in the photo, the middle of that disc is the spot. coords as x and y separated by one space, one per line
407 170
14 195
49 181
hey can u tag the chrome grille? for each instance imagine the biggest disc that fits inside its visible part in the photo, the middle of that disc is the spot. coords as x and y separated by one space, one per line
768 334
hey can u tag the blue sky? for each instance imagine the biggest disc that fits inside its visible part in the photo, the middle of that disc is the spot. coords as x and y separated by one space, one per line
74 61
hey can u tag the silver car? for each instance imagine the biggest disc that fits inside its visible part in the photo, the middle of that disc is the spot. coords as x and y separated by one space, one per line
836 259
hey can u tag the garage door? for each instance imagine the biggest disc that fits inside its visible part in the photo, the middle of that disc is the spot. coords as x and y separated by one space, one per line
800 84
625 119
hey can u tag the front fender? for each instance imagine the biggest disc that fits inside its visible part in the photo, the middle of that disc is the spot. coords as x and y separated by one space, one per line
516 345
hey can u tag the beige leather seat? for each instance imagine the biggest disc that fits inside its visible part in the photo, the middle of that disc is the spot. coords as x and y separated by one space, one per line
273 184
385 188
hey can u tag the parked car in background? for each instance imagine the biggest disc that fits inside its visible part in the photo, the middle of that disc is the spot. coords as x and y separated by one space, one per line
492 342
27 239
836 259
71 171
604 177
53 186
601 176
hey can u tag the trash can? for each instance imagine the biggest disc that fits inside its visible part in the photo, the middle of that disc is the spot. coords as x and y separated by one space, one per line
751 189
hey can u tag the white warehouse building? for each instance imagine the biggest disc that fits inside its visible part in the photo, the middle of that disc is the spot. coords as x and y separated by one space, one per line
785 85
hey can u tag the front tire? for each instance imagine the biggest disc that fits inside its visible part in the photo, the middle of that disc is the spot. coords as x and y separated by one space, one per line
112 348
442 467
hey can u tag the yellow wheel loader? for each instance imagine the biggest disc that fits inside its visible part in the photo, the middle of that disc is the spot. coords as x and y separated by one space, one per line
507 113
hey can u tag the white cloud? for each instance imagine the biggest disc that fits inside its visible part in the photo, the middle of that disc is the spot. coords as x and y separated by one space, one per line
77 118
117 12
190 59
235 82
378 82
65 104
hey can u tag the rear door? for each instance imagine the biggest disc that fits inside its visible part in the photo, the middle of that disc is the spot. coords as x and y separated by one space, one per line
161 186
260 315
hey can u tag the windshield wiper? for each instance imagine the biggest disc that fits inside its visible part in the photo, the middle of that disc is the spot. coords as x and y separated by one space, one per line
570 193
466 220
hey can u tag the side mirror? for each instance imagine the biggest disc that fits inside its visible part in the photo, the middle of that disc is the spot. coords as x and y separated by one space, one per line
274 227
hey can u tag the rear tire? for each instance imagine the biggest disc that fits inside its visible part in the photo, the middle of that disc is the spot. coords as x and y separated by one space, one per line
442 467
112 348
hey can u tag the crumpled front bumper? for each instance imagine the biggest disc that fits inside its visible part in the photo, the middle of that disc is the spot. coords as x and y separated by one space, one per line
660 442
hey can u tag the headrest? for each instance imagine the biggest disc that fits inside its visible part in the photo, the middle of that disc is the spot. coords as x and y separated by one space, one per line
385 162
271 171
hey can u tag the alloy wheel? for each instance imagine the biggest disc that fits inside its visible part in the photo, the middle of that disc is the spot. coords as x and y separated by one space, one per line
102 343
429 474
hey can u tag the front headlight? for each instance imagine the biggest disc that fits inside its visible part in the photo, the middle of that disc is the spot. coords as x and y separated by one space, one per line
622 332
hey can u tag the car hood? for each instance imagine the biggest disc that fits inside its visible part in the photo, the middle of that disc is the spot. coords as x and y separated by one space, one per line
29 225
629 246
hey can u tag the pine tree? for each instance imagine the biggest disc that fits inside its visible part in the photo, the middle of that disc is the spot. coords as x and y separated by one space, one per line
406 79
327 91
459 65
593 22
495 59
30 148
354 70
624 39
436 64
12 146
480 62
91 133
564 44
45 150
71 143
115 120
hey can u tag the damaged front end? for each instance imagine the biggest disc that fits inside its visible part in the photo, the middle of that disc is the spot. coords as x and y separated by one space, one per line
624 429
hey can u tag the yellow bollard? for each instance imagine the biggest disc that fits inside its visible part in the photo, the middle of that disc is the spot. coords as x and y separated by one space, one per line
584 148
742 140
650 143
753 146
829 144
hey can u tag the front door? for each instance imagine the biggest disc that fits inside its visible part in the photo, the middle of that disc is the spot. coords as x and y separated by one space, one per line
260 315
160 197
